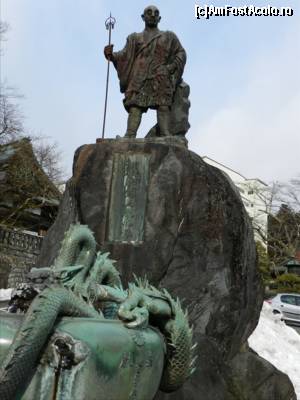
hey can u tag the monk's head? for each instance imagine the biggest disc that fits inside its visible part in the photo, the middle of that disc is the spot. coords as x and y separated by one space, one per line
151 16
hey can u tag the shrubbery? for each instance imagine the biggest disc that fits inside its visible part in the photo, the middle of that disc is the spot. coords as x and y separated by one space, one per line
288 283
284 283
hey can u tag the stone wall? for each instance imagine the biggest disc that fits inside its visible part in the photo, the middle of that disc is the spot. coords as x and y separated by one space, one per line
18 253
161 212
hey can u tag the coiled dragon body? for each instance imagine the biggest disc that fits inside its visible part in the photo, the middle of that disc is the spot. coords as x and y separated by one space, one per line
84 283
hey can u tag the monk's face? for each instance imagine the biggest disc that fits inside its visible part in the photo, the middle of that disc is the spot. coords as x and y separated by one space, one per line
151 16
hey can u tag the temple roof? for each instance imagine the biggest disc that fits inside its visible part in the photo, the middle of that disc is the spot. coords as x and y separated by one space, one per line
28 199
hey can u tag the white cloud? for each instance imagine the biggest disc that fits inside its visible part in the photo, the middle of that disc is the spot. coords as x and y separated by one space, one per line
258 130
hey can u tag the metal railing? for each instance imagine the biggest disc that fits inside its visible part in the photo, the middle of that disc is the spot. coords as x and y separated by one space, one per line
20 241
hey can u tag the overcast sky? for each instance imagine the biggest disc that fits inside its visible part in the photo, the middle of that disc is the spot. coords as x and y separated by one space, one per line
243 72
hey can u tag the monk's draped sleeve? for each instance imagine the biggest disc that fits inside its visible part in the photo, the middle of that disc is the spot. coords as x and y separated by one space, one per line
178 58
123 61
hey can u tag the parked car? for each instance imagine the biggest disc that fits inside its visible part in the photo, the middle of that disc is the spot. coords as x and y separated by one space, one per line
288 305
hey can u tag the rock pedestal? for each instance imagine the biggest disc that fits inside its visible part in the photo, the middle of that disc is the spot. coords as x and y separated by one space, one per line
164 213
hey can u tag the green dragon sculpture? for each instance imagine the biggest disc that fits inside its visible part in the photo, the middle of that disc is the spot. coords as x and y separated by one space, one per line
83 283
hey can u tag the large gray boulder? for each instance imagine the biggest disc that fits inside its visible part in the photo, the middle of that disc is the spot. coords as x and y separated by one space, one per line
163 212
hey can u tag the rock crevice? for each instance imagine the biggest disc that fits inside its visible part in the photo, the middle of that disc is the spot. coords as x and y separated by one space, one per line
195 239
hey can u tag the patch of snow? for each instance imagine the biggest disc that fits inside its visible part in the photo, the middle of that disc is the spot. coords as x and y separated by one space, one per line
279 344
5 294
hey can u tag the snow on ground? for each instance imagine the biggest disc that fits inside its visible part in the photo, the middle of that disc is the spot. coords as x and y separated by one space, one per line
279 344
5 294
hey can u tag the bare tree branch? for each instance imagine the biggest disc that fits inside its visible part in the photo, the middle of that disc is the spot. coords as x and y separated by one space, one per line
11 117
49 157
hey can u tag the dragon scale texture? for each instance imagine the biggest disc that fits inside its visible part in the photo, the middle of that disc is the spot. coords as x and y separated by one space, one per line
179 360
78 247
19 364
87 284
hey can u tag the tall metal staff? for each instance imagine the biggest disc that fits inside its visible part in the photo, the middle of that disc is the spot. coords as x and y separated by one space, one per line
109 23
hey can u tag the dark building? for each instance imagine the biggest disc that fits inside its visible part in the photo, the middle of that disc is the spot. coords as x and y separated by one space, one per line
28 206
292 266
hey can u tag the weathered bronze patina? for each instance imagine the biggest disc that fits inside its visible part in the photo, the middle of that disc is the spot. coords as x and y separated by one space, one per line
150 68
124 345
91 359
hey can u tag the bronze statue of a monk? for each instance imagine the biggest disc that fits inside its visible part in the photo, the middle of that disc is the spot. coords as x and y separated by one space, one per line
150 67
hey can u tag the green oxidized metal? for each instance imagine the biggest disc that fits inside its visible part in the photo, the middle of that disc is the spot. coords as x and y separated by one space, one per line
85 337
111 362
128 197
